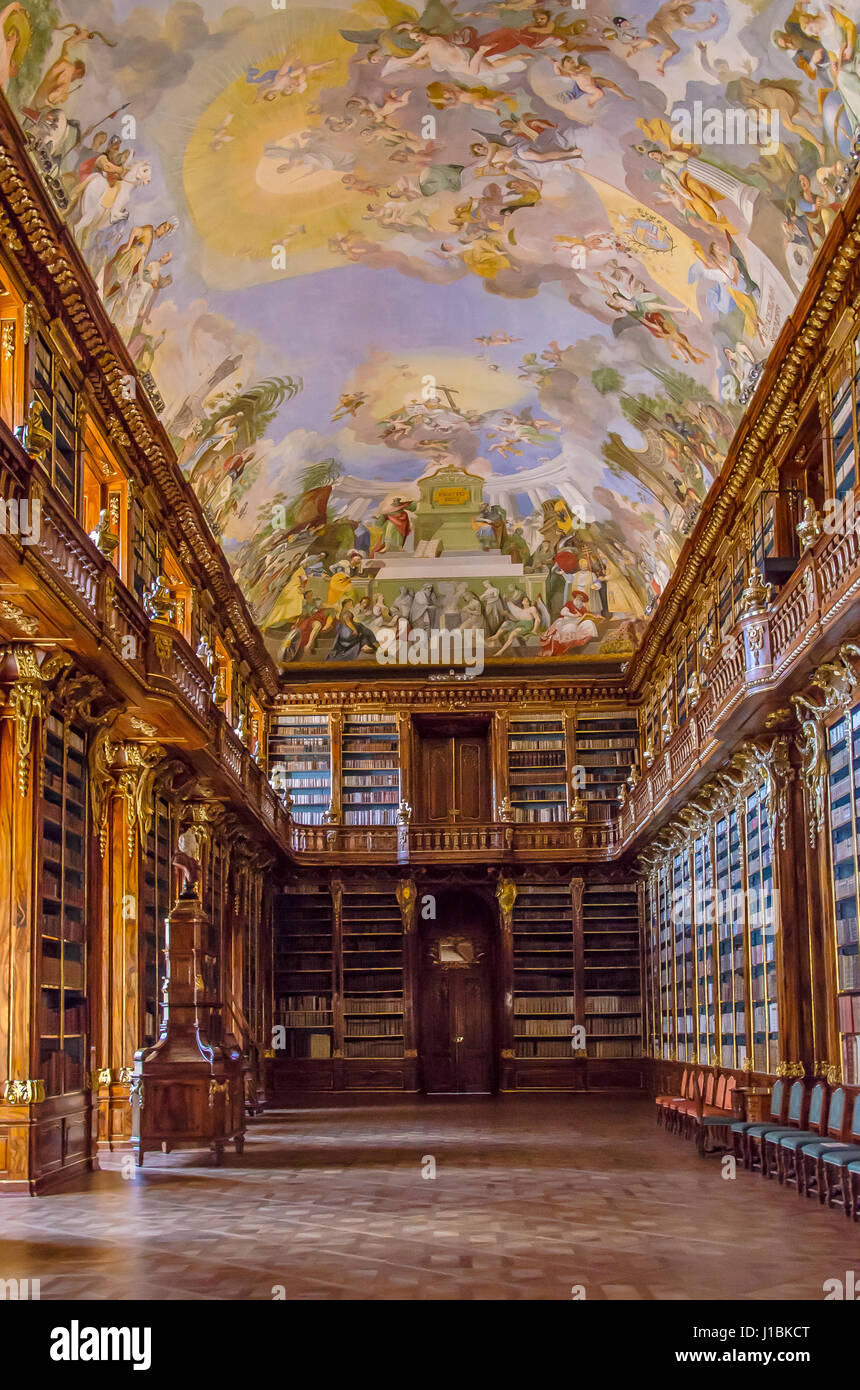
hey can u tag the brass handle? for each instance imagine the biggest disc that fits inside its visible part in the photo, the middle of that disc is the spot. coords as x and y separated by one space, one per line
460 1039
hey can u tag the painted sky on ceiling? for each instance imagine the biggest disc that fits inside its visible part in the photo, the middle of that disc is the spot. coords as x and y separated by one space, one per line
452 311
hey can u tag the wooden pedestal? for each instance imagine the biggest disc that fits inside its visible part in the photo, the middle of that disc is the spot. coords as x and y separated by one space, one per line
186 1093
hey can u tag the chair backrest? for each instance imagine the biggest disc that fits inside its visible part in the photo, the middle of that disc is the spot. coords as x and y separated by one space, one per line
720 1101
836 1117
795 1102
855 1118
684 1082
816 1104
709 1089
730 1090
776 1100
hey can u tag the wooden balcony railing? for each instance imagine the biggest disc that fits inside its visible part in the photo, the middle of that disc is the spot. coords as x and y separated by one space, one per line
763 649
491 842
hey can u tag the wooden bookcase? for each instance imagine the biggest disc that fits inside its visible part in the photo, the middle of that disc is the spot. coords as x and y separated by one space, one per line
63 1020
607 747
734 1044
156 901
370 768
544 996
303 979
843 752
301 744
373 977
537 767
611 986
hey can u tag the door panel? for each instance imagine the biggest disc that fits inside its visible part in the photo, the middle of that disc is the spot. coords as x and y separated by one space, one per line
457 1024
471 776
437 768
474 1032
455 779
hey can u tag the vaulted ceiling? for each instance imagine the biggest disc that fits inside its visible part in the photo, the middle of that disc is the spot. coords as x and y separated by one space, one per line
452 313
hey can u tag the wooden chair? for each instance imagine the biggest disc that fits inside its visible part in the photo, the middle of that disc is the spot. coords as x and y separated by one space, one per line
709 1120
679 1108
788 1147
663 1102
676 1103
809 1165
763 1140
741 1128
835 1160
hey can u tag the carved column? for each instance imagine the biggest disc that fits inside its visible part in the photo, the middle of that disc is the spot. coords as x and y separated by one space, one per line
21 1088
337 985
407 897
26 680
121 780
506 895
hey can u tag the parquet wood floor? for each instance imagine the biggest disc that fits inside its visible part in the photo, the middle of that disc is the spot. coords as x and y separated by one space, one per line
532 1195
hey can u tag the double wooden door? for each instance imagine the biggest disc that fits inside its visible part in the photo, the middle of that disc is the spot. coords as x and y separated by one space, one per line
454 778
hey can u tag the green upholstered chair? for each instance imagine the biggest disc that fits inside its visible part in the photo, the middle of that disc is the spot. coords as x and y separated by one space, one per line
786 1147
741 1128
763 1138
809 1163
835 1160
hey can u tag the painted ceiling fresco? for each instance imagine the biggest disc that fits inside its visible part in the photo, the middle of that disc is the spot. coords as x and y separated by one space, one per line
453 312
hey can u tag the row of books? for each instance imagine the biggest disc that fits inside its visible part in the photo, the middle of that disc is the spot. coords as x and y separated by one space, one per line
319 1003
545 1004
369 817
628 744
303 1019
370 750
370 1028
849 972
613 1049
372 1006
388 797
369 717
544 1027
541 748
368 780
557 1048
612 1004
614 1025
849 1013
372 1048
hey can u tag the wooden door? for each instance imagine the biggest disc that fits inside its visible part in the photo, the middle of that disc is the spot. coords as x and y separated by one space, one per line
457 1017
454 779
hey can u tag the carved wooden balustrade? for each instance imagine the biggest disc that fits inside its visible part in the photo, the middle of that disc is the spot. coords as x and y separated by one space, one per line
764 648
492 842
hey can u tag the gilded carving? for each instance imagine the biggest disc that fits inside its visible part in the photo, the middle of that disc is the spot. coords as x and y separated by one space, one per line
407 897
24 622
837 681
23 1092
506 895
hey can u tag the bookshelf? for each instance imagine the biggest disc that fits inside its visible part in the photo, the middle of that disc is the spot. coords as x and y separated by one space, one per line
843 751
373 995
732 942
303 927
607 747
301 745
370 769
537 771
544 1005
703 877
214 888
63 901
156 902
762 940
611 988
684 966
